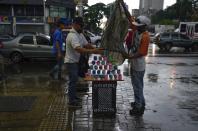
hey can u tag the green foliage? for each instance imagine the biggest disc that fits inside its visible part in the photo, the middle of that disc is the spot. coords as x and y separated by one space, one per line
181 11
93 16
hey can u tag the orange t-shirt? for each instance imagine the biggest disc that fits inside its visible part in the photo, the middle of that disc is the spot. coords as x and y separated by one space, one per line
144 44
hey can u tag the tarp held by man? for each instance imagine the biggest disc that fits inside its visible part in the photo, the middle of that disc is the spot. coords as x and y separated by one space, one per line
114 34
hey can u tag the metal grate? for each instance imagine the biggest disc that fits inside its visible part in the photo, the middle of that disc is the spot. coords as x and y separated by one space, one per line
104 97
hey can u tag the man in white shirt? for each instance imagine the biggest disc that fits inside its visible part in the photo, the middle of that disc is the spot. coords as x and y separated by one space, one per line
76 44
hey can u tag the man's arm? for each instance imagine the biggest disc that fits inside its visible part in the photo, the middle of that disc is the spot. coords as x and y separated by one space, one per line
89 46
89 51
59 54
143 49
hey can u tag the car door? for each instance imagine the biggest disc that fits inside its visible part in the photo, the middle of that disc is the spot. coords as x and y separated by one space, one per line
175 40
185 41
44 49
27 45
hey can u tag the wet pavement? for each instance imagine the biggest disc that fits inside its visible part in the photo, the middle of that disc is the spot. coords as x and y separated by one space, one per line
171 94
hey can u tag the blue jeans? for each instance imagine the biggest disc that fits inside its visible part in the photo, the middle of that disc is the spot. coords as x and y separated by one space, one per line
72 69
137 80
57 70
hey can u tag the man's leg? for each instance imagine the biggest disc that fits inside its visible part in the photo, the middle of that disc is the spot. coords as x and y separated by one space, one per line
73 78
59 70
137 82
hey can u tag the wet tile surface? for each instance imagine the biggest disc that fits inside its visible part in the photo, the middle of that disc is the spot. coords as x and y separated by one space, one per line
170 92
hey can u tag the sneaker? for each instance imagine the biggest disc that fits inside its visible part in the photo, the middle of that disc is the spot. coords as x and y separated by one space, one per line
132 104
74 105
137 112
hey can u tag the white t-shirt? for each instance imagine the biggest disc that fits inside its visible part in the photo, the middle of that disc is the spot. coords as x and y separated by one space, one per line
73 40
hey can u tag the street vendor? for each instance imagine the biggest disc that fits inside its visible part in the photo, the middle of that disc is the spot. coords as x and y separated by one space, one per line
137 55
76 44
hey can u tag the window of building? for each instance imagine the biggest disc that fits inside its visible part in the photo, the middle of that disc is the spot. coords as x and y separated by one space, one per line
5 10
39 11
57 11
27 40
19 11
29 11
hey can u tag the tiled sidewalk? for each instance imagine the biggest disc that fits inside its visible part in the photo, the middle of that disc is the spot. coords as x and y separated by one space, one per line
85 121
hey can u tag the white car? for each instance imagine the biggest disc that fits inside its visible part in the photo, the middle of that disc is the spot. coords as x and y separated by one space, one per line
95 39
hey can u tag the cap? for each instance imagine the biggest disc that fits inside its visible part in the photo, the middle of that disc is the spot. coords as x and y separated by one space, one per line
62 21
142 20
78 20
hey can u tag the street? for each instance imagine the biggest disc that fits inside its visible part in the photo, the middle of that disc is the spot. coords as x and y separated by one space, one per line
171 94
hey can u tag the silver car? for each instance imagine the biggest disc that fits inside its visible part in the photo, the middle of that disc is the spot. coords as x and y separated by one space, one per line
27 46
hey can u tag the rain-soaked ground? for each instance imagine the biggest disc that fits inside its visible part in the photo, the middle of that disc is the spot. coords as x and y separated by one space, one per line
171 92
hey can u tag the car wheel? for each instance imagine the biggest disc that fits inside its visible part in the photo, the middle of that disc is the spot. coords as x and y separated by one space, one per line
16 57
194 47
187 49
168 46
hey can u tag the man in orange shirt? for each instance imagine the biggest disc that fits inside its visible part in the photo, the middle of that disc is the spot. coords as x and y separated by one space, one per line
138 52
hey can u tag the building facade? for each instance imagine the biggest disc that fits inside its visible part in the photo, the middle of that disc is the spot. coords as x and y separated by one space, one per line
149 7
18 16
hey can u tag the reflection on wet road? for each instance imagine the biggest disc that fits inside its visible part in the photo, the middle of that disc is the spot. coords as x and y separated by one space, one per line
170 90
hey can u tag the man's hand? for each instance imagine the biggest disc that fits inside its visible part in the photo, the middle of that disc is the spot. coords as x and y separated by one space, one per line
59 56
98 51
127 56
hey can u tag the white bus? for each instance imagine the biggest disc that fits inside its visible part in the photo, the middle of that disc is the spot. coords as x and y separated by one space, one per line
190 29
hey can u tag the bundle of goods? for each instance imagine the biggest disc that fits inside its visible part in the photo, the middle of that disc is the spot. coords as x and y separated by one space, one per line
102 68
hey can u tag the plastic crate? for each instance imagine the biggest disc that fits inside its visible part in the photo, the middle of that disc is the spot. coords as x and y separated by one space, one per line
104 97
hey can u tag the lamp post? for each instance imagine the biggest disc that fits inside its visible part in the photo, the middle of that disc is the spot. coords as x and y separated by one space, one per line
46 26
80 7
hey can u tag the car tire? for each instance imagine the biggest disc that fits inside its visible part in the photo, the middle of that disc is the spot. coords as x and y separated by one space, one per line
168 46
16 57
194 47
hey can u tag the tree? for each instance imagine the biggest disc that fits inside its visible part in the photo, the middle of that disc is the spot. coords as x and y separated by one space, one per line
93 16
181 11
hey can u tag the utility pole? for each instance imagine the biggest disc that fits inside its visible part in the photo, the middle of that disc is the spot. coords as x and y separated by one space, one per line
46 26
80 8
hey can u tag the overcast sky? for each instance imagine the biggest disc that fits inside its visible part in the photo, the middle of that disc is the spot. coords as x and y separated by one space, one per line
133 4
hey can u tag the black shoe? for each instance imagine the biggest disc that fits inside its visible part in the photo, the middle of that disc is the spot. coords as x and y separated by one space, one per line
132 104
74 105
137 111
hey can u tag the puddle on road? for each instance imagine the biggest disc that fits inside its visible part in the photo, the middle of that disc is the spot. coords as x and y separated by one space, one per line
193 79
152 77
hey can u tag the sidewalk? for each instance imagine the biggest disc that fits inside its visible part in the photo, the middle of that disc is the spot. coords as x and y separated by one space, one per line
167 103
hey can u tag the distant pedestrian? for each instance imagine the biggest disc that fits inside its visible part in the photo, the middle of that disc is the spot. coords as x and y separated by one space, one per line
58 50
76 45
139 50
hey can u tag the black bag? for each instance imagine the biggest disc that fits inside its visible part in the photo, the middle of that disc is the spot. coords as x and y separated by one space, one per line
83 65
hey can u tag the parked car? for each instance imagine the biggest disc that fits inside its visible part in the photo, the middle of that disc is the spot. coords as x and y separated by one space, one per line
27 46
95 39
152 36
5 37
168 40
